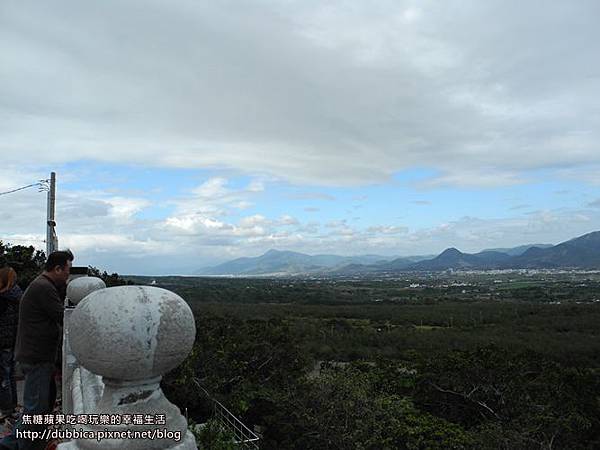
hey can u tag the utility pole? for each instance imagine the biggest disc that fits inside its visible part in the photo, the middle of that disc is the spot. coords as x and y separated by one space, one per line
51 239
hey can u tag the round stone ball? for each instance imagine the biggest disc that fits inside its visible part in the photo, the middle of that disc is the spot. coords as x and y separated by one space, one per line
80 287
131 332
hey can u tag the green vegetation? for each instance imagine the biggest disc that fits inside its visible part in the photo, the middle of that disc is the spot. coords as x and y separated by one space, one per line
26 260
441 368
534 287
212 436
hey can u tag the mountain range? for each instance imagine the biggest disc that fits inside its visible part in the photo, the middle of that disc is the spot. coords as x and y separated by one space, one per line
277 262
580 253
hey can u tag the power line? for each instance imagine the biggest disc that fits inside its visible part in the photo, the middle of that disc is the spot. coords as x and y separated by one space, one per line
42 185
20 240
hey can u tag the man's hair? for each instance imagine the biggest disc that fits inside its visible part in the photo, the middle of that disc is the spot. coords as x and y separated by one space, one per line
59 258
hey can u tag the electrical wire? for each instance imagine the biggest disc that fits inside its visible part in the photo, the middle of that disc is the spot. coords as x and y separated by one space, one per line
21 240
42 185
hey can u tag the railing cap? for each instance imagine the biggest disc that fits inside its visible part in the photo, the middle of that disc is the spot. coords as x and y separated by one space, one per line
132 332
79 288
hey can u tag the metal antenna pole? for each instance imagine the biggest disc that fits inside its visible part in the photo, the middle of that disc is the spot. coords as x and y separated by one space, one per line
51 240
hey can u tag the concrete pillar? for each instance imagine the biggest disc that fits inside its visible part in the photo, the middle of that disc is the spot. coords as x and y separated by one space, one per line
80 287
131 336
77 289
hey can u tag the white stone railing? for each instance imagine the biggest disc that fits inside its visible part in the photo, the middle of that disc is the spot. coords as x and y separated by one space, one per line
118 343
81 389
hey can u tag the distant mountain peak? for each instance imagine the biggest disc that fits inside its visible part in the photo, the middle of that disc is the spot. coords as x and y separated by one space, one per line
451 252
594 237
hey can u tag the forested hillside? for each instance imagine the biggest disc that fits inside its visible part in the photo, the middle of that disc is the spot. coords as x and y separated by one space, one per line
433 372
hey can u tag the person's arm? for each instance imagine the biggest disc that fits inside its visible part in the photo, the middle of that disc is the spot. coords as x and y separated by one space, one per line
52 305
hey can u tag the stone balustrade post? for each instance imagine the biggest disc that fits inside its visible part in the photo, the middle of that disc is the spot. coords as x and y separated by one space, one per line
77 289
131 336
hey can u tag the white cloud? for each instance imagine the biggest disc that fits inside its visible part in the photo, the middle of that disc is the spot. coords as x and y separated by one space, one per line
212 188
35 240
124 209
256 186
327 94
183 244
251 221
243 205
336 223
287 220
108 242
590 174
387 229
472 179
482 94
214 198
312 196
195 223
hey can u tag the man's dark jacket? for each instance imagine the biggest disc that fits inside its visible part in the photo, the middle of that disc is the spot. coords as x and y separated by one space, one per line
9 316
40 321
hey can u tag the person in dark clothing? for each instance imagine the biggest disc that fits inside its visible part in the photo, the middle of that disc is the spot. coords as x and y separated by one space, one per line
38 336
10 295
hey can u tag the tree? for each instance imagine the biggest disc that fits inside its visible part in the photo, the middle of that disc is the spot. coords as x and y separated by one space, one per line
513 400
26 260
345 408
113 279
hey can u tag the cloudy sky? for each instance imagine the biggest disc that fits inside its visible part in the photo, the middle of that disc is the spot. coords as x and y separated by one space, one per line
186 133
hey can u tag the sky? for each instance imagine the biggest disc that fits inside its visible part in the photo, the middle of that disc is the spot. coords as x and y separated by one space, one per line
187 133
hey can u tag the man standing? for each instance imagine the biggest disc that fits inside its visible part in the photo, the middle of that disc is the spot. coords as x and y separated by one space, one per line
38 337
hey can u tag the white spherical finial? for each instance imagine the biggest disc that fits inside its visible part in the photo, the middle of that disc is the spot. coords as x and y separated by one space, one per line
132 332
80 287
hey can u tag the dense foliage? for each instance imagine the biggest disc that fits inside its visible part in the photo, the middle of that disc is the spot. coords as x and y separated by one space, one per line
26 260
507 374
